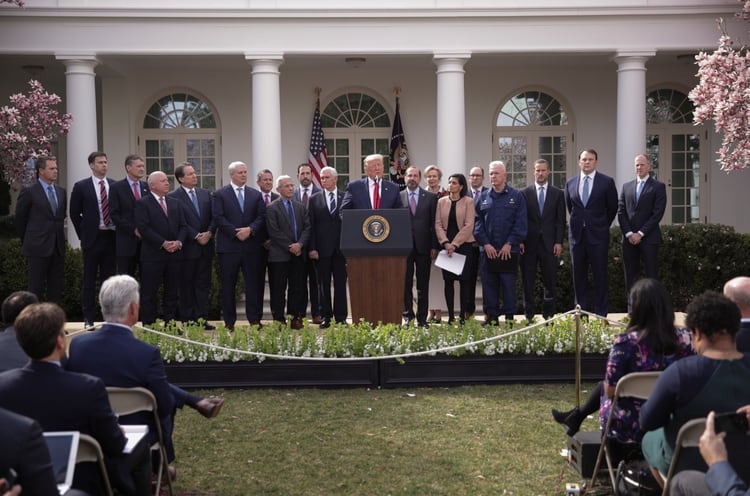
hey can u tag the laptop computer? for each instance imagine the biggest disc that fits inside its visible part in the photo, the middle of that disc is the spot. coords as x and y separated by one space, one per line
63 448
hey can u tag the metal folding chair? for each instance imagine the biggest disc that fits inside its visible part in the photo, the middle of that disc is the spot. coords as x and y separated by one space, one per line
636 385
688 437
90 451
125 401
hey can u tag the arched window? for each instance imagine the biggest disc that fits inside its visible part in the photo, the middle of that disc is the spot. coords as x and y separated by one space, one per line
181 127
676 150
355 124
530 125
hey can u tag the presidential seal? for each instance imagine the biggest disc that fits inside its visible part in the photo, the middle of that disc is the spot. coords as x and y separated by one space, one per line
376 228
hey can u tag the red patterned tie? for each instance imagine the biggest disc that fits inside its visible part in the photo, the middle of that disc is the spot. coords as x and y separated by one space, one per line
163 205
136 190
106 220
376 196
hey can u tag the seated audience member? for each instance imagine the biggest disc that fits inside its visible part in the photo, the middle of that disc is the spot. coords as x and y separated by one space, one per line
12 355
66 401
650 343
718 379
116 356
721 478
24 450
738 290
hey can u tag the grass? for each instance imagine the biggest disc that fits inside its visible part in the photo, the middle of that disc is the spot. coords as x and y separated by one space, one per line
474 440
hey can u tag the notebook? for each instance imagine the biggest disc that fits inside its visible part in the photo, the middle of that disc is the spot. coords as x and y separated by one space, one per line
63 448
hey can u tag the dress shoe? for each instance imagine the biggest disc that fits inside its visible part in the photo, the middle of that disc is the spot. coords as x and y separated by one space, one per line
255 323
209 327
571 420
297 323
317 319
88 324
210 407
325 323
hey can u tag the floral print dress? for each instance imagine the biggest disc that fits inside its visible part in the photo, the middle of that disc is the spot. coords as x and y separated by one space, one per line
628 355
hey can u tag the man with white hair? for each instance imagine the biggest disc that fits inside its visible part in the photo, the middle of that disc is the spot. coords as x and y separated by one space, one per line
738 290
161 222
116 356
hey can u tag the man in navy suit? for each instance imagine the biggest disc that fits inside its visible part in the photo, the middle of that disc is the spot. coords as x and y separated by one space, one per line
239 213
641 207
288 228
161 222
264 180
91 215
118 358
422 205
198 250
371 192
545 211
123 195
303 194
738 290
324 248
40 221
12 355
591 200
67 401
477 187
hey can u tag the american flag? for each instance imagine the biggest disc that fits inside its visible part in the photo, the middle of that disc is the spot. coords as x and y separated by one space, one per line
317 158
399 152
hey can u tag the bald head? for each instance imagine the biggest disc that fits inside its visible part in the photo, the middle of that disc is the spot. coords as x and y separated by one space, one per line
738 290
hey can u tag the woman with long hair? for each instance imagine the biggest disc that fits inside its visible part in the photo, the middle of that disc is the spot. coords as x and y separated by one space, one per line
651 342
433 176
454 229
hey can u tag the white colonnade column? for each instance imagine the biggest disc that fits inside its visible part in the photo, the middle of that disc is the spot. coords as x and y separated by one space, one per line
451 110
631 111
266 115
82 139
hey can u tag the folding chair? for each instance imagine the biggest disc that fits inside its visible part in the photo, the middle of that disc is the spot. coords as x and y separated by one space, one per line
688 437
90 451
636 385
125 401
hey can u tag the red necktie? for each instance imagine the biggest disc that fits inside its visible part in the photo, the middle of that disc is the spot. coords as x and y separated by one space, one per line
305 198
137 190
163 205
376 196
105 203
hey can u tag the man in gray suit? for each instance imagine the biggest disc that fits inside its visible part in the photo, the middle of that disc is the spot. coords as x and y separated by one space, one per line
545 211
289 230
422 204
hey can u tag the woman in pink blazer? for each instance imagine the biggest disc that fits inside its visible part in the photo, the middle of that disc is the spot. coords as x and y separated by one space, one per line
454 228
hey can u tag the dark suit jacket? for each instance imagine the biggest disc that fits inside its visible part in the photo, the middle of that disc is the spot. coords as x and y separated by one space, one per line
122 209
647 213
12 355
358 195
550 224
120 359
262 234
743 336
598 213
423 221
196 223
280 229
298 193
228 217
326 226
42 231
156 228
63 401
25 451
84 210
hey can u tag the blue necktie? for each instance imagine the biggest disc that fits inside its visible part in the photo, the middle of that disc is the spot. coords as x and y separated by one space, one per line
241 198
332 201
52 198
541 199
194 198
585 195
292 220
638 190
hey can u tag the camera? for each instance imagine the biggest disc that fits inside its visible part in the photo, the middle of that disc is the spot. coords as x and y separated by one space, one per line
572 489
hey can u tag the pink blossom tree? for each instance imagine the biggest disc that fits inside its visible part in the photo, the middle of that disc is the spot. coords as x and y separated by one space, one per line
27 129
723 95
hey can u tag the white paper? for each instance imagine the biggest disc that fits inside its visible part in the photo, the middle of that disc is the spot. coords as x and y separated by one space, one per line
454 263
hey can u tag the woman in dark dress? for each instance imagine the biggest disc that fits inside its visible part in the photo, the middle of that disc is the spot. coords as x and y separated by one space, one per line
454 228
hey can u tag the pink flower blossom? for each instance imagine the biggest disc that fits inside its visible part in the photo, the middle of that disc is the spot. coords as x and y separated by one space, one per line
28 128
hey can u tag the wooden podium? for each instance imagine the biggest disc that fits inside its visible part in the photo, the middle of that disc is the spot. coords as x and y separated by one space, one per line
376 244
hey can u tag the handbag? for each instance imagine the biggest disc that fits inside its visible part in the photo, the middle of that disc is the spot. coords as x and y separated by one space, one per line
634 478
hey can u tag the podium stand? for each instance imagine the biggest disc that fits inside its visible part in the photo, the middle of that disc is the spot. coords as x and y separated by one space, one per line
376 244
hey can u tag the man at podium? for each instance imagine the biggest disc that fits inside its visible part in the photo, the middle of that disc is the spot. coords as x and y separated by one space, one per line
371 192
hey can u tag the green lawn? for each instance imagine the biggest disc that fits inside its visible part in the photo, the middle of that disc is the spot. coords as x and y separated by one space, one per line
478 440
